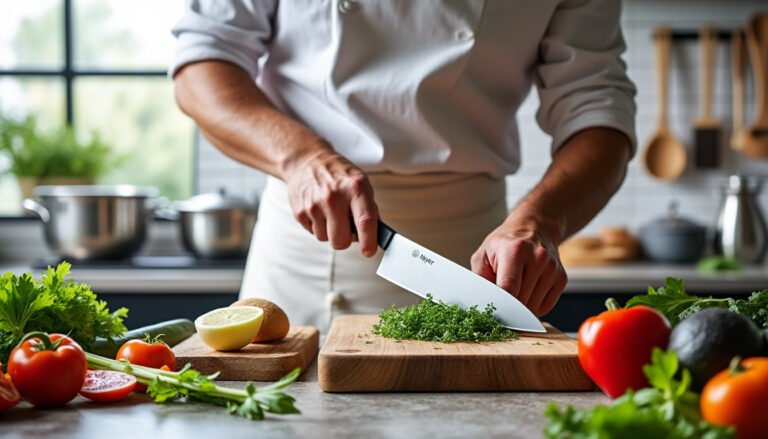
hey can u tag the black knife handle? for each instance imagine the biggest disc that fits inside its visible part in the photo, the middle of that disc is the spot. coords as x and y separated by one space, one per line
384 233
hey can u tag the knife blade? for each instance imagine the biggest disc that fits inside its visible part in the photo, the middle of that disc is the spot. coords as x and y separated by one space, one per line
422 271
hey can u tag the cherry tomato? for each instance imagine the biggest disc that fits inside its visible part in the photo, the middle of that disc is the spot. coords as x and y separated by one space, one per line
614 346
47 370
9 396
150 353
107 385
738 396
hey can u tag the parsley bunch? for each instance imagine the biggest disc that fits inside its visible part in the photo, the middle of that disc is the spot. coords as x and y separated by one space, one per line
53 304
667 409
672 301
432 321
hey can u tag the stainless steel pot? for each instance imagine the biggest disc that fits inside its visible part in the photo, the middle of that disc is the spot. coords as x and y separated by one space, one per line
215 225
94 222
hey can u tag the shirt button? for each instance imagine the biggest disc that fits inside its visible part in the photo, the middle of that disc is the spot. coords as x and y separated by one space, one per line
465 35
348 6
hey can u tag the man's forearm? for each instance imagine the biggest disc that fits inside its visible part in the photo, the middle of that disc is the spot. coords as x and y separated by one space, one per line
583 176
239 119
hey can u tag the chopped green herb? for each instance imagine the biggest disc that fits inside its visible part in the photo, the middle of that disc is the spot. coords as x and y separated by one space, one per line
672 301
440 322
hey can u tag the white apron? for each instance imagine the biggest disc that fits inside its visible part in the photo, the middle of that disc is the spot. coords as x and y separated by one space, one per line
448 213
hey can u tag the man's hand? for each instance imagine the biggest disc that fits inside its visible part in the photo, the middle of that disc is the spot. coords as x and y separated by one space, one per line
326 190
523 260
521 255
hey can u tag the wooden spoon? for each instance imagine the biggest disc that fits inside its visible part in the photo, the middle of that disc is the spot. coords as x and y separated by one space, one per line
756 138
738 133
664 156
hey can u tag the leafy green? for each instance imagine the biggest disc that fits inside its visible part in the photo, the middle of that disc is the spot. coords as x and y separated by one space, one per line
440 322
672 301
667 409
189 384
53 304
37 153
718 264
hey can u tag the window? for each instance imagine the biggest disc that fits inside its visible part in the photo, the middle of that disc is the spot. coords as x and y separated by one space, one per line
98 65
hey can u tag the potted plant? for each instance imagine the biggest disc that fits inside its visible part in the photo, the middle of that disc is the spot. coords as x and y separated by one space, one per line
55 157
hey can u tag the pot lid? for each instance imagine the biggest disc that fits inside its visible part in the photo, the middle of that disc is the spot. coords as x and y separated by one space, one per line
120 190
211 202
673 223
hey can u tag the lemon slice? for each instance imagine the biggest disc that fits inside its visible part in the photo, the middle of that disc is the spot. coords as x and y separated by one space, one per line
229 329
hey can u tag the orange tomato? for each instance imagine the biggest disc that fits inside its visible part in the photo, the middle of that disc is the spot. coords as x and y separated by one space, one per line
738 396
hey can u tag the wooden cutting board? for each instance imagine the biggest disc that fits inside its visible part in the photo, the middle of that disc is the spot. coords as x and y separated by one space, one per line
255 362
353 359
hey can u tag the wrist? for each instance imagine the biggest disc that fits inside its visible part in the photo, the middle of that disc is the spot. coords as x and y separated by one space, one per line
313 152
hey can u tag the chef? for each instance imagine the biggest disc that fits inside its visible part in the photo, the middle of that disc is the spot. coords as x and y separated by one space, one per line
405 111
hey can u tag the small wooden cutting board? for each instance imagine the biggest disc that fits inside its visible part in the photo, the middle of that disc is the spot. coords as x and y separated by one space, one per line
353 359
255 362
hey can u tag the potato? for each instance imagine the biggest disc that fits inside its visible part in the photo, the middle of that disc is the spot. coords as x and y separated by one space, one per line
275 325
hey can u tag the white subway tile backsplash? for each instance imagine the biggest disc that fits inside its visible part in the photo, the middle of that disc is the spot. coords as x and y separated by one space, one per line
641 198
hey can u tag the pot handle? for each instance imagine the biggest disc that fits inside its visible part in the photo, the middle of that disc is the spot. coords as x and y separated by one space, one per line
32 206
167 213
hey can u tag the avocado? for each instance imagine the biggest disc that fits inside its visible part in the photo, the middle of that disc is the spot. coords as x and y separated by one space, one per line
707 341
765 343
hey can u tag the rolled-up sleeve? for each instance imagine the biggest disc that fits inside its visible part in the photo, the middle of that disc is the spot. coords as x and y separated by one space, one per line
236 31
581 78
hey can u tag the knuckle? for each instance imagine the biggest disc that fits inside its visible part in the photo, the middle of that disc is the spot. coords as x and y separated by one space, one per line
328 197
314 210
357 183
365 220
507 282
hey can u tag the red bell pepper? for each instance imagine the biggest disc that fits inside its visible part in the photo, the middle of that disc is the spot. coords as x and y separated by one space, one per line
47 370
614 346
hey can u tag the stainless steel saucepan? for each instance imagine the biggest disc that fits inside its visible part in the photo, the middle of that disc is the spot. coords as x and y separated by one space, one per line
94 222
215 225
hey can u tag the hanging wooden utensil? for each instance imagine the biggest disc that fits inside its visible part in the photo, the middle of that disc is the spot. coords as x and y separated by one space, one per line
756 138
706 128
664 156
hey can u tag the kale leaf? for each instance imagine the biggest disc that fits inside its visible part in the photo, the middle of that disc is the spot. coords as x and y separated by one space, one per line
673 301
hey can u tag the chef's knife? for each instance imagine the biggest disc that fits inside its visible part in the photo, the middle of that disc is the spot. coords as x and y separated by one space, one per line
422 271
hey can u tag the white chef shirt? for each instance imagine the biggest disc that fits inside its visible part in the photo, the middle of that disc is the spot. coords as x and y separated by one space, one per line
412 86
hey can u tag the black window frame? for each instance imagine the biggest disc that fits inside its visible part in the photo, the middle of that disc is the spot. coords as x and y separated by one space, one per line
69 73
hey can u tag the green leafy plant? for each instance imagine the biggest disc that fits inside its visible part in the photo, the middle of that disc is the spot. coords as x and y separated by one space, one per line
673 301
432 321
53 304
189 384
667 409
34 152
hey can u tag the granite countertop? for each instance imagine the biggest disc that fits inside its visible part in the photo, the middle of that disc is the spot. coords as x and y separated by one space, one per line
396 415
619 278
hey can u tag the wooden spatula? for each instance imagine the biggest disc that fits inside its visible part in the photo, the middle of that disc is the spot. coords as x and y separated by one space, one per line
756 138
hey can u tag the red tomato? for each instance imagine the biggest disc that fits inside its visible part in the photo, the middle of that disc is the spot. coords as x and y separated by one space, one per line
107 385
9 396
47 370
614 346
150 353
738 396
